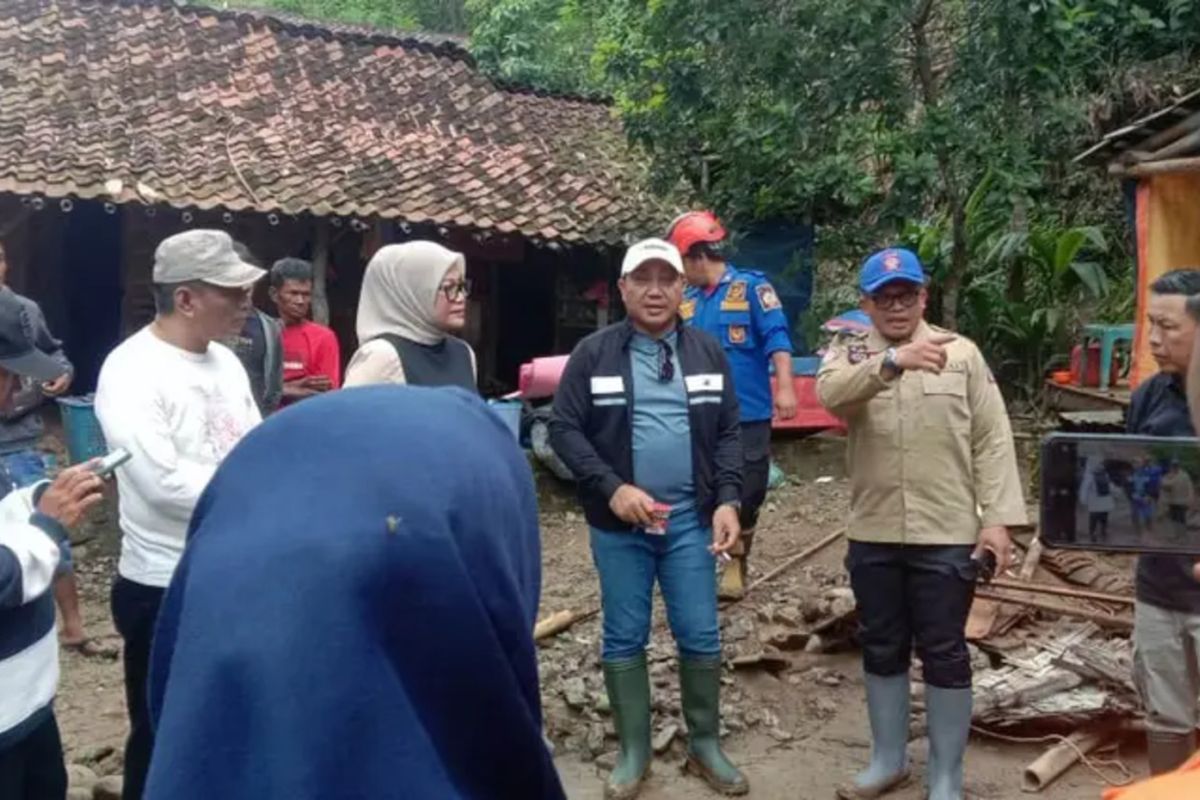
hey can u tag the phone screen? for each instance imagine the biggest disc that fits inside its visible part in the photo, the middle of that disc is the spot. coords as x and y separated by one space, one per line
1121 493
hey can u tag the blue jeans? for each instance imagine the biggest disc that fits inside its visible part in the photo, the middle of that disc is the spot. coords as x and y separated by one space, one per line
22 469
628 563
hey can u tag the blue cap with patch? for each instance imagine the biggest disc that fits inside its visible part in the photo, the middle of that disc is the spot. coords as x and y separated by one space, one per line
887 266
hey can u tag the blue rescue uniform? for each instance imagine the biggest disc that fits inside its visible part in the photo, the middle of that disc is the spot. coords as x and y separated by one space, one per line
746 317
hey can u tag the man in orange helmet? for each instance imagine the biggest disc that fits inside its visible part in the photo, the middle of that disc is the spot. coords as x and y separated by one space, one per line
741 309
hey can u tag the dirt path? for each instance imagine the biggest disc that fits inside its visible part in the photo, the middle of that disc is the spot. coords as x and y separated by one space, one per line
797 733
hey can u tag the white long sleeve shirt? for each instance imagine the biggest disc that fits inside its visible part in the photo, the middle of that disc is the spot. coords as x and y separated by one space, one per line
179 414
29 554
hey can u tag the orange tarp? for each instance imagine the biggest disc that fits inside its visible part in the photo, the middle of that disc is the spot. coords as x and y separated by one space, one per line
1183 784
1168 236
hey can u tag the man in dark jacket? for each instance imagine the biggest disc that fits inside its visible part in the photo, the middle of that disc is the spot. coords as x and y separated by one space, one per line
1166 634
24 463
646 418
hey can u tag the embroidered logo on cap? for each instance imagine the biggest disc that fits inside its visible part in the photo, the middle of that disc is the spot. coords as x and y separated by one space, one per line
891 262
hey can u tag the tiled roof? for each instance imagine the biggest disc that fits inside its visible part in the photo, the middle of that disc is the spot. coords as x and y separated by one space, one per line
149 101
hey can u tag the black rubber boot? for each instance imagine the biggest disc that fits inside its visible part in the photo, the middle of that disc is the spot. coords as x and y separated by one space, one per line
628 685
1167 751
700 688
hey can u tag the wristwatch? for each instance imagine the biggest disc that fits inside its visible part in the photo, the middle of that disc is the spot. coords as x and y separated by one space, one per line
889 361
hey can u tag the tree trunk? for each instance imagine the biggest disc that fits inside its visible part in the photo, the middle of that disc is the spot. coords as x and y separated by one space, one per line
1014 290
952 286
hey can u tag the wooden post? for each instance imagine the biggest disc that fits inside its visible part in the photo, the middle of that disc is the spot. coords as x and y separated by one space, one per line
320 261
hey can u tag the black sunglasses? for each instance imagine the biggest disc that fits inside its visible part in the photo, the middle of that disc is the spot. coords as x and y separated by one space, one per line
906 299
666 365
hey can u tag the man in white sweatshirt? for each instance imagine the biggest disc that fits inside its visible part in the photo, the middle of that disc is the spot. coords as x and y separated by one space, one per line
33 541
178 401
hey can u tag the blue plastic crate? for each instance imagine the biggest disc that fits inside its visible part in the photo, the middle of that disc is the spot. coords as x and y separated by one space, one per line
85 439
509 412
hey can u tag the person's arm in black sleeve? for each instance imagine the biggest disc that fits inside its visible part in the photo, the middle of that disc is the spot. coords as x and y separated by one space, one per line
728 460
572 404
1133 416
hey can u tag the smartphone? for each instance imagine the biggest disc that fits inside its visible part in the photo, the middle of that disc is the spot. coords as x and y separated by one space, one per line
985 567
111 461
1113 493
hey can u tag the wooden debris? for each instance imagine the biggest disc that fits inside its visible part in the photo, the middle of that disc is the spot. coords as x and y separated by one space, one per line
771 662
1108 663
1033 557
1084 569
1107 620
989 619
1009 695
1043 684
1081 594
662 740
558 622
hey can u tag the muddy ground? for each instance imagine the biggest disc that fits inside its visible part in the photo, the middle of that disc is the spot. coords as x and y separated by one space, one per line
797 732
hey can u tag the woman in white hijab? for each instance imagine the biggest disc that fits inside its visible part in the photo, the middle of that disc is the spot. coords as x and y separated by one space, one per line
414 298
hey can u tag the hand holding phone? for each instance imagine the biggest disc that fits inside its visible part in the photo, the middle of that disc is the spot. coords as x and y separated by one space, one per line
107 465
985 565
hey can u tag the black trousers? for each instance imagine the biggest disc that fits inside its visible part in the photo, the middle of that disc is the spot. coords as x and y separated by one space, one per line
135 611
32 768
914 593
756 470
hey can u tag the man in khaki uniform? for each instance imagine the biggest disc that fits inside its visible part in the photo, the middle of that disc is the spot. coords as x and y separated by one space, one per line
934 485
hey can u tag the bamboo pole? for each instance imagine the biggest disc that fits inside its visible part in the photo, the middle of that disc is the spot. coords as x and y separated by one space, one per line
792 561
1062 591
1121 623
1053 763
1164 137
1150 168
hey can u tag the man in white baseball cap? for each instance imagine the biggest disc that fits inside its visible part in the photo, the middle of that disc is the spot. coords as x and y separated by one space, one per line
178 401
646 418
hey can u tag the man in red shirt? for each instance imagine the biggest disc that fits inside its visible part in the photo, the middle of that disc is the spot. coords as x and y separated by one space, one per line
312 360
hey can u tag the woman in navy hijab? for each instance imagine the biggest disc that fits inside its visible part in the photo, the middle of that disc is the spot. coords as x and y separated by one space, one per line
353 614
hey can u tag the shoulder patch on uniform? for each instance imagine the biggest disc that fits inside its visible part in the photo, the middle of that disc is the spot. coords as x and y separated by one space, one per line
687 309
767 298
857 352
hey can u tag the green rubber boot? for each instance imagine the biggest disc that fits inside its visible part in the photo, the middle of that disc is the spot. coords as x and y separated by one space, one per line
628 685
700 687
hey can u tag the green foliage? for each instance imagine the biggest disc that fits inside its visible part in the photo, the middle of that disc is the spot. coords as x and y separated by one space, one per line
946 124
441 16
543 43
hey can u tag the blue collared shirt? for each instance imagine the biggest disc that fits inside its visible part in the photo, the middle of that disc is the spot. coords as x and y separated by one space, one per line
743 312
662 432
